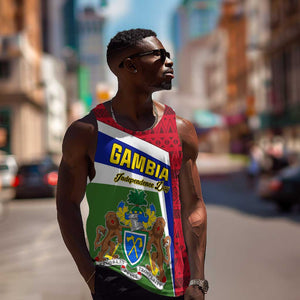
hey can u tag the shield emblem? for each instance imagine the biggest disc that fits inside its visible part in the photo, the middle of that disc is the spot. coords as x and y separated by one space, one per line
134 244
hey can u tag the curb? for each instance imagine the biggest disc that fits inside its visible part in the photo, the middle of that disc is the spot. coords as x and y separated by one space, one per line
219 164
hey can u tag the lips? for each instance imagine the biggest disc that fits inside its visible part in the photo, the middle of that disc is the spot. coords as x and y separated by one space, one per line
169 73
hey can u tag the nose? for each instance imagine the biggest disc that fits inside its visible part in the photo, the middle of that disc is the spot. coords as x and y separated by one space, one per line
169 62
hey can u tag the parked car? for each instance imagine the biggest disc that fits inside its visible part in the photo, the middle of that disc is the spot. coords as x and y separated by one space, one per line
282 189
36 180
8 169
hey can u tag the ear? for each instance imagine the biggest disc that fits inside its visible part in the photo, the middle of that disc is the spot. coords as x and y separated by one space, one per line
129 65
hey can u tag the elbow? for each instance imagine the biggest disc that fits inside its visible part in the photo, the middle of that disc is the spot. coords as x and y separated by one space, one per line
198 220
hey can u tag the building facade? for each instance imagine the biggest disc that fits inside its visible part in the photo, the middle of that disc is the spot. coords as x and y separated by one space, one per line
258 36
91 54
233 22
282 116
53 74
60 40
194 19
202 72
53 24
22 105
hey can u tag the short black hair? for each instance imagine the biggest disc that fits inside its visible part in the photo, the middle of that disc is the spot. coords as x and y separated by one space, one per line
126 39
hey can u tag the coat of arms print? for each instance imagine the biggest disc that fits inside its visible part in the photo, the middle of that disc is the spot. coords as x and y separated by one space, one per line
133 240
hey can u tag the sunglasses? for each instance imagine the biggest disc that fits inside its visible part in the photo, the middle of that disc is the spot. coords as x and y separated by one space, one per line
157 52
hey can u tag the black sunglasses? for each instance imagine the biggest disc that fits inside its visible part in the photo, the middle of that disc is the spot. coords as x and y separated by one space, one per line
157 52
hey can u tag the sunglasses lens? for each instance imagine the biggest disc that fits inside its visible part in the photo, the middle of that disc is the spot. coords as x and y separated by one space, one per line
162 55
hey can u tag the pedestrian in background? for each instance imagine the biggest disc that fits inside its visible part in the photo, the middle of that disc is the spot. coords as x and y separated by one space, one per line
254 166
136 161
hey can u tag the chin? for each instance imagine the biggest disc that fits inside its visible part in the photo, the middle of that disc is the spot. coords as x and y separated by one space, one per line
166 85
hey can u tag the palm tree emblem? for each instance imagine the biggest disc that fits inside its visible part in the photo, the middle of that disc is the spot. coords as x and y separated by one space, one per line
137 198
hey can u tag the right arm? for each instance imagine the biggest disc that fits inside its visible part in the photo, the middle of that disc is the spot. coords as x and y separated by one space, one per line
72 179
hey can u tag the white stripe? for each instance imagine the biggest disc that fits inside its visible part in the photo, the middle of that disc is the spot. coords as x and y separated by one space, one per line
135 142
105 174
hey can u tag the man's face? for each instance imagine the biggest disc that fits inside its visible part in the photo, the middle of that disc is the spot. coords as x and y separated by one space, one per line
153 73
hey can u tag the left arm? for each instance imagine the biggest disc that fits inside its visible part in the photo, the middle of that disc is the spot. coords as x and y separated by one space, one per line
193 211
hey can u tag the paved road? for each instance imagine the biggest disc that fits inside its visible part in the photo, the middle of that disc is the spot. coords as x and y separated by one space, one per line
34 263
252 251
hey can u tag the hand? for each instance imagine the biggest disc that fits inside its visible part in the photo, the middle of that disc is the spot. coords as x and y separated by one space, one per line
193 293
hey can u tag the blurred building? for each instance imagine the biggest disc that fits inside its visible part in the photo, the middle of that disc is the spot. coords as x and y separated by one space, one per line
75 35
53 72
258 36
233 22
70 27
60 40
202 87
282 116
32 93
53 33
200 56
22 103
91 54
194 19
202 74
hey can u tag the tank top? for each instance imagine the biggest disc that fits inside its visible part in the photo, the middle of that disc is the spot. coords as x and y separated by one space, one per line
134 224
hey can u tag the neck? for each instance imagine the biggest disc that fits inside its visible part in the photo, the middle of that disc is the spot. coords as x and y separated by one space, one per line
133 105
135 113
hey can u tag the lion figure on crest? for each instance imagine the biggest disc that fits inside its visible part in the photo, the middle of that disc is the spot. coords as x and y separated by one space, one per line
113 229
157 257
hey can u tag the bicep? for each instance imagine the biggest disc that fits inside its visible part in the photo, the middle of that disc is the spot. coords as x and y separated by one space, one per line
73 169
71 182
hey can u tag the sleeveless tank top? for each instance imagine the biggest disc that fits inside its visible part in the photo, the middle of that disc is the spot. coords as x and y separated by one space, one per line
134 223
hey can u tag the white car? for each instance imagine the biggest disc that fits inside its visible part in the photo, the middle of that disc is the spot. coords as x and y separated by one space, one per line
8 170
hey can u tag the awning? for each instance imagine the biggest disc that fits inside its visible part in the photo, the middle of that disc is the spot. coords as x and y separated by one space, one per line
208 119
235 119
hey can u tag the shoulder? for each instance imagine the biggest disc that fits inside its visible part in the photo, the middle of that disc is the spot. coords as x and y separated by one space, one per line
82 129
80 134
188 138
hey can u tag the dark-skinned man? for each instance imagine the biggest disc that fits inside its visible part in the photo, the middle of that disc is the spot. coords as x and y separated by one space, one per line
136 162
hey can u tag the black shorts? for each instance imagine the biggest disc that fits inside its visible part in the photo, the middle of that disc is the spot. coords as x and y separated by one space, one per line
110 285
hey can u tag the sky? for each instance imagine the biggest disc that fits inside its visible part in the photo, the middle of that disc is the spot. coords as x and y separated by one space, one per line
127 14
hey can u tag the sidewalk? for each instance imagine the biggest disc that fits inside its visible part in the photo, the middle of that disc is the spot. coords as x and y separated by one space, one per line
220 164
5 196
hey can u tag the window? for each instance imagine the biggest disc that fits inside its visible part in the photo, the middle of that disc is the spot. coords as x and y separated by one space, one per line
5 69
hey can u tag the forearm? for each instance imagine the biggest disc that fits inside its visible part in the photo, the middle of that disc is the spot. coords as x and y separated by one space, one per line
71 227
194 218
194 230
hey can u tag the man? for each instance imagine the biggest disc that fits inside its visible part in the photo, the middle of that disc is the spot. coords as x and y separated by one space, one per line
147 219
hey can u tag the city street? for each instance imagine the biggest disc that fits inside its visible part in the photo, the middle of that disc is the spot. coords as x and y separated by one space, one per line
252 251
